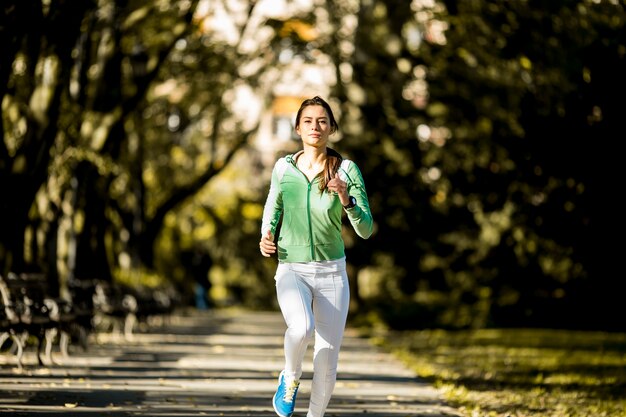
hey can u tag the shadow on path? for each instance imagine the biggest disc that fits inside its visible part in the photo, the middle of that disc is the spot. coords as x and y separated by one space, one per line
206 363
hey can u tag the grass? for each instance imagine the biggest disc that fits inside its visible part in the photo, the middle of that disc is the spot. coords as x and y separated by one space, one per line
520 372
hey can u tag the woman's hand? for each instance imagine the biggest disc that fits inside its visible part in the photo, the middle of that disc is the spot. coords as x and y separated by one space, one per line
267 245
337 185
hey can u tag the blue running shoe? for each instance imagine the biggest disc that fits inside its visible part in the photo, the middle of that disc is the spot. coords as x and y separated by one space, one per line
285 397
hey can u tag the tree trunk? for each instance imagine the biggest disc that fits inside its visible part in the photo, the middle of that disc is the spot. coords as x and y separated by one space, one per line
91 255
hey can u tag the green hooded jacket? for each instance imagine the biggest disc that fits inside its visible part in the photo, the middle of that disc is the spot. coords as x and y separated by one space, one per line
311 220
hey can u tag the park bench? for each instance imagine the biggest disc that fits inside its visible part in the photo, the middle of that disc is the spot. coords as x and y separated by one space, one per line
155 304
81 294
120 308
30 310
10 320
115 309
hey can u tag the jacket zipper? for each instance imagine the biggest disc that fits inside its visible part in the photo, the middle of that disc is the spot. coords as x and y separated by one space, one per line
308 206
308 211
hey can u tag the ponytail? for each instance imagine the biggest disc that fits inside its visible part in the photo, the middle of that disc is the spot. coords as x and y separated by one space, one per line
331 166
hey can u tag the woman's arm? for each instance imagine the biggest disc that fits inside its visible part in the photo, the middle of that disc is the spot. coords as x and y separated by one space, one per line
360 215
273 204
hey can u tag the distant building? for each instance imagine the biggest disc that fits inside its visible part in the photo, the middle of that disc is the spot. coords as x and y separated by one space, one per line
298 82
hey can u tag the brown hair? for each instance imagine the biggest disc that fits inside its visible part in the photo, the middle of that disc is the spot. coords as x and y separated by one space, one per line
333 158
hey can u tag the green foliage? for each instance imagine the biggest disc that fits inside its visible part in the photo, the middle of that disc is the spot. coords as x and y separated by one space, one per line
474 124
133 119
480 177
140 278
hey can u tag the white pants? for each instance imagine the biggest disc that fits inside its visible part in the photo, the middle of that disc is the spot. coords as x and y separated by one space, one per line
314 298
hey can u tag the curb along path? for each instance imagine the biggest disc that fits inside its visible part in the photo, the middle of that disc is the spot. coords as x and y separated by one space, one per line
213 363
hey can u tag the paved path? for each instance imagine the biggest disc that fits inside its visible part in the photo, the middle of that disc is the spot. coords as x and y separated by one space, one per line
216 363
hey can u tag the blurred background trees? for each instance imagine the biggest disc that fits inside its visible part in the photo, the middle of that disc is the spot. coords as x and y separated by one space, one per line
131 148
488 174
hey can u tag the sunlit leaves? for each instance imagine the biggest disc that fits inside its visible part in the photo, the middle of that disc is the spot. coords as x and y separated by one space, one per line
520 372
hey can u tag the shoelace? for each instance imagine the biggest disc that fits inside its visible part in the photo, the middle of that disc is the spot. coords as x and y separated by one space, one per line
290 391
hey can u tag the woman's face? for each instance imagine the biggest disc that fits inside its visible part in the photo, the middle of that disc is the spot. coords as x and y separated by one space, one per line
314 126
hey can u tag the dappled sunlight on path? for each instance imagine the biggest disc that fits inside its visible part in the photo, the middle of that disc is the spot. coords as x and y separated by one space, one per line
215 363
